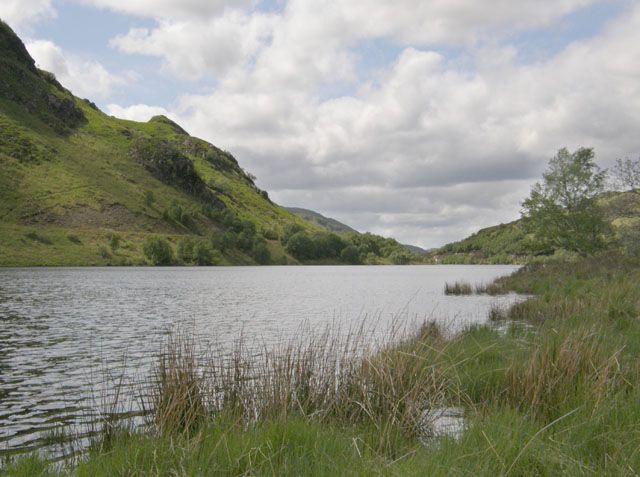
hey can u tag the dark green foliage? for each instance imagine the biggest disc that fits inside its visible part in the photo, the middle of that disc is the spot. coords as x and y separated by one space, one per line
149 198
185 249
261 253
158 250
114 242
168 164
104 252
562 211
289 231
400 257
328 245
203 254
301 246
351 255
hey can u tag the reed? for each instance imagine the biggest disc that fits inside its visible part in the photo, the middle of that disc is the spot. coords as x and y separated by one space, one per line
458 288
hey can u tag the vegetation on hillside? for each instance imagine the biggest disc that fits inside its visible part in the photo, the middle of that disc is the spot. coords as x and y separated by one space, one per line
570 212
70 170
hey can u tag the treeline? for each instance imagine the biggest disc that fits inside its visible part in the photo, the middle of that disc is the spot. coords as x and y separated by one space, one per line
350 248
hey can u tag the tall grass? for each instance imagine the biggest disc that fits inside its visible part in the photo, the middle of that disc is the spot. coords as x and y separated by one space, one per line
558 396
327 377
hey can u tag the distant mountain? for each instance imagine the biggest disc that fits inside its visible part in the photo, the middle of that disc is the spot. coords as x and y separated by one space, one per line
325 222
415 249
335 226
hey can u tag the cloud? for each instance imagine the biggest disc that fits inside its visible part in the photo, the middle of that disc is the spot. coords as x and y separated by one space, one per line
137 112
22 15
85 78
428 147
453 148
192 49
165 9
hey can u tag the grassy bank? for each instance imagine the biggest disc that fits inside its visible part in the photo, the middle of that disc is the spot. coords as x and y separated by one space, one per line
551 389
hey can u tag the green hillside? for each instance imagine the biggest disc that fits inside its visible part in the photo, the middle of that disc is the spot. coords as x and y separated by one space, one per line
327 223
510 243
79 187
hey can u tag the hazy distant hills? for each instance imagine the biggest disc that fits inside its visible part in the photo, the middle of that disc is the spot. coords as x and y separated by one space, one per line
335 226
325 222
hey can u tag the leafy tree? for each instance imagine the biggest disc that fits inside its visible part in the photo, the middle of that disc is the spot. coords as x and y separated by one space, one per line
289 231
158 250
400 257
261 253
301 246
562 210
350 254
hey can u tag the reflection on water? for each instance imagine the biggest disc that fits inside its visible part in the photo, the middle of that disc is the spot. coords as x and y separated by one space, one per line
68 335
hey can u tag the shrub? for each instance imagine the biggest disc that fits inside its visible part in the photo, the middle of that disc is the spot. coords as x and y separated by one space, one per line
114 242
261 253
186 250
301 246
350 255
149 198
158 250
203 254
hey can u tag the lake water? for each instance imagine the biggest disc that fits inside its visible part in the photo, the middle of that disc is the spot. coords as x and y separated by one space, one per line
68 334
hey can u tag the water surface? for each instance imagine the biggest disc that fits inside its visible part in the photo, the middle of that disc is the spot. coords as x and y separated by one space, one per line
66 334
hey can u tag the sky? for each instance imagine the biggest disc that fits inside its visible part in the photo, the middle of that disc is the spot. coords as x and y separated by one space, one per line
422 120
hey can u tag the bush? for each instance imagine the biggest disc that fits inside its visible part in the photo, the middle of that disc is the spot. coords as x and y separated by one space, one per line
350 255
114 242
203 254
186 250
301 246
261 253
158 250
149 198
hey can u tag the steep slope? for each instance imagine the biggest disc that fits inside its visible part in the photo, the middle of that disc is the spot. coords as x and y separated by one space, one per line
327 223
78 187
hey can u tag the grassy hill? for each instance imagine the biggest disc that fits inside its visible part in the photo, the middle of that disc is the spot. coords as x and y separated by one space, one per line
79 187
325 222
510 243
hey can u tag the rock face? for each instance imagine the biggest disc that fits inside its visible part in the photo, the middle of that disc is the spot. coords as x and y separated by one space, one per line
167 164
38 92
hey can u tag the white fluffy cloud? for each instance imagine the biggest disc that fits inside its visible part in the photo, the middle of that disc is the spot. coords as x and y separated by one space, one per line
85 78
22 14
430 148
192 49
136 112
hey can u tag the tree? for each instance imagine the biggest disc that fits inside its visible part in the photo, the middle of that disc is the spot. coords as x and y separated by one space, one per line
627 174
301 246
562 211
350 254
158 250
